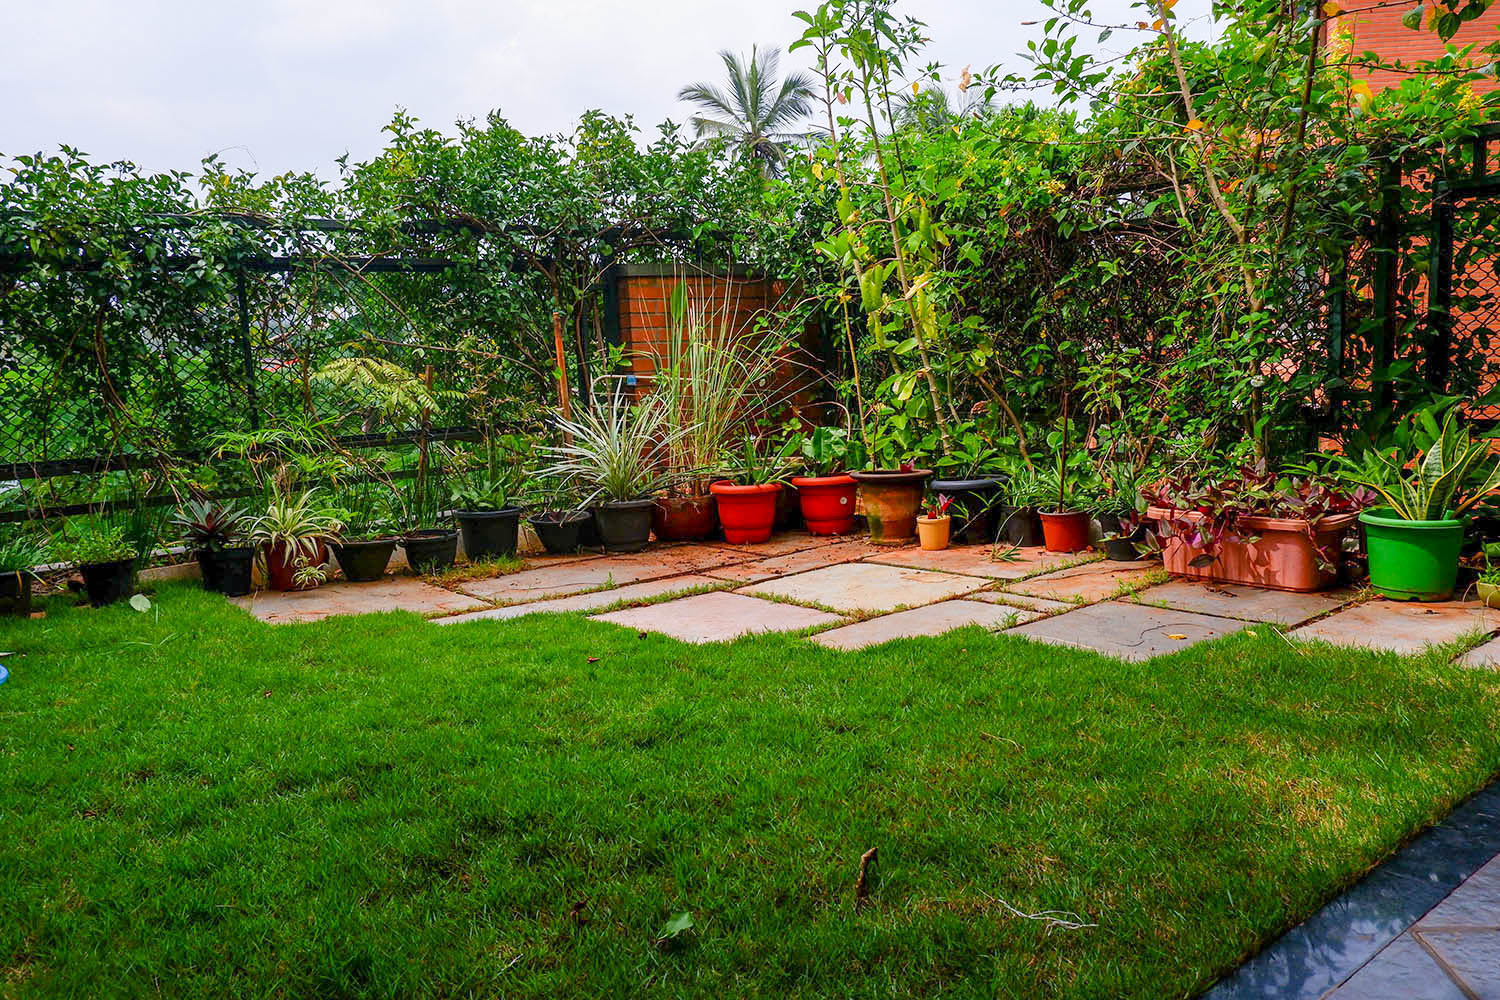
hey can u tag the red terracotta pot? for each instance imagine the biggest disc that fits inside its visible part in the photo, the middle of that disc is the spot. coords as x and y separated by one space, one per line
282 569
684 519
1283 557
748 513
827 503
1065 531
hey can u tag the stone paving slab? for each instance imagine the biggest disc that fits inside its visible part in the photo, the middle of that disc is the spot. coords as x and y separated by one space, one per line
782 544
396 593
867 587
1401 626
1091 582
1402 971
934 619
1026 601
575 576
1233 600
979 560
1127 630
1486 657
718 617
588 602
796 562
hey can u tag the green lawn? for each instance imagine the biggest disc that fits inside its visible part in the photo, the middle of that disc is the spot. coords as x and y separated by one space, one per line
195 804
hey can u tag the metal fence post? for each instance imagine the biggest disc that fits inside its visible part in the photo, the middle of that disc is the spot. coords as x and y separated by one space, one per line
1440 290
247 359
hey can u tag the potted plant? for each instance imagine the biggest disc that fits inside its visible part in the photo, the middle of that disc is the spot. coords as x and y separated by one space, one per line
293 534
368 534
1065 528
106 558
481 496
1284 533
1016 516
431 545
559 523
217 534
891 499
976 494
1413 541
933 528
1117 509
826 493
616 455
747 501
20 554
717 378
1489 586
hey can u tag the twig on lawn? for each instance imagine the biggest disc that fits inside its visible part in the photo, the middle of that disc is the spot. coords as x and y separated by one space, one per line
862 884
1065 920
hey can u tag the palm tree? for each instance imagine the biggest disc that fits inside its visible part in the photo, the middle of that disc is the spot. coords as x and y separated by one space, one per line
754 113
934 109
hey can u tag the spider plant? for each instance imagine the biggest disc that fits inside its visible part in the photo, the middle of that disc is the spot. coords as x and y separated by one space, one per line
616 453
298 525
22 553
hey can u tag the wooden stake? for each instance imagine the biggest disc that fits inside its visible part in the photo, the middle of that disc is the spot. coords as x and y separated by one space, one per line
564 397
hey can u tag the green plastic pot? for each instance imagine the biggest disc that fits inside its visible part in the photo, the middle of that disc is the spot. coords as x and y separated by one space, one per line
1412 560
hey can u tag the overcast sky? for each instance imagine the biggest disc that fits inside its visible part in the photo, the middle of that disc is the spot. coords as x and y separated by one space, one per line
277 85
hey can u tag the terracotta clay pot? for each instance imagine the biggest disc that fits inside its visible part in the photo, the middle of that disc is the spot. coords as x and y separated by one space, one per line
281 566
748 513
1065 530
933 532
827 503
684 519
891 499
1283 558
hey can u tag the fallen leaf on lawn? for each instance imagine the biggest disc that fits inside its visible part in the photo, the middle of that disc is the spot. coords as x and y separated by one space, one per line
593 659
1250 631
1175 635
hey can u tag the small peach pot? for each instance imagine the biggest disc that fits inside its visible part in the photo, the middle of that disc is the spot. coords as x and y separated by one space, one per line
933 532
1283 556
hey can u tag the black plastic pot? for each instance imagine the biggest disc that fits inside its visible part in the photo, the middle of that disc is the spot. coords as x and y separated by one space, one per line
227 571
106 583
431 550
1121 549
973 510
624 526
489 533
15 594
1019 525
559 530
364 561
588 530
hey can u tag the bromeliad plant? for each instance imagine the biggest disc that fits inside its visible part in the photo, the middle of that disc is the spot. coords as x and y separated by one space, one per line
212 527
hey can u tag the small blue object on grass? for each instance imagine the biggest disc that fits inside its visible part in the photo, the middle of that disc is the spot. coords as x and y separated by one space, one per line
4 674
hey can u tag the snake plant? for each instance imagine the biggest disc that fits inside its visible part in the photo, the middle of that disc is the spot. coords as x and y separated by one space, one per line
1455 473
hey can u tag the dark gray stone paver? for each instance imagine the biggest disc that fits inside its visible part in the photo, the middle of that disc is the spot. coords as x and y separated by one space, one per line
1401 626
718 617
1127 630
868 587
934 619
1485 657
1233 600
1404 970
589 601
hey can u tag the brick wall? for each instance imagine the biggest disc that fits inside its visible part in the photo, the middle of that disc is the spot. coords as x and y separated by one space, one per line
1380 30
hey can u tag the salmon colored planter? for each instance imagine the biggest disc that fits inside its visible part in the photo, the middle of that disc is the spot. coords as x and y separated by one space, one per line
1283 557
684 519
1065 530
748 513
827 503
891 499
282 569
